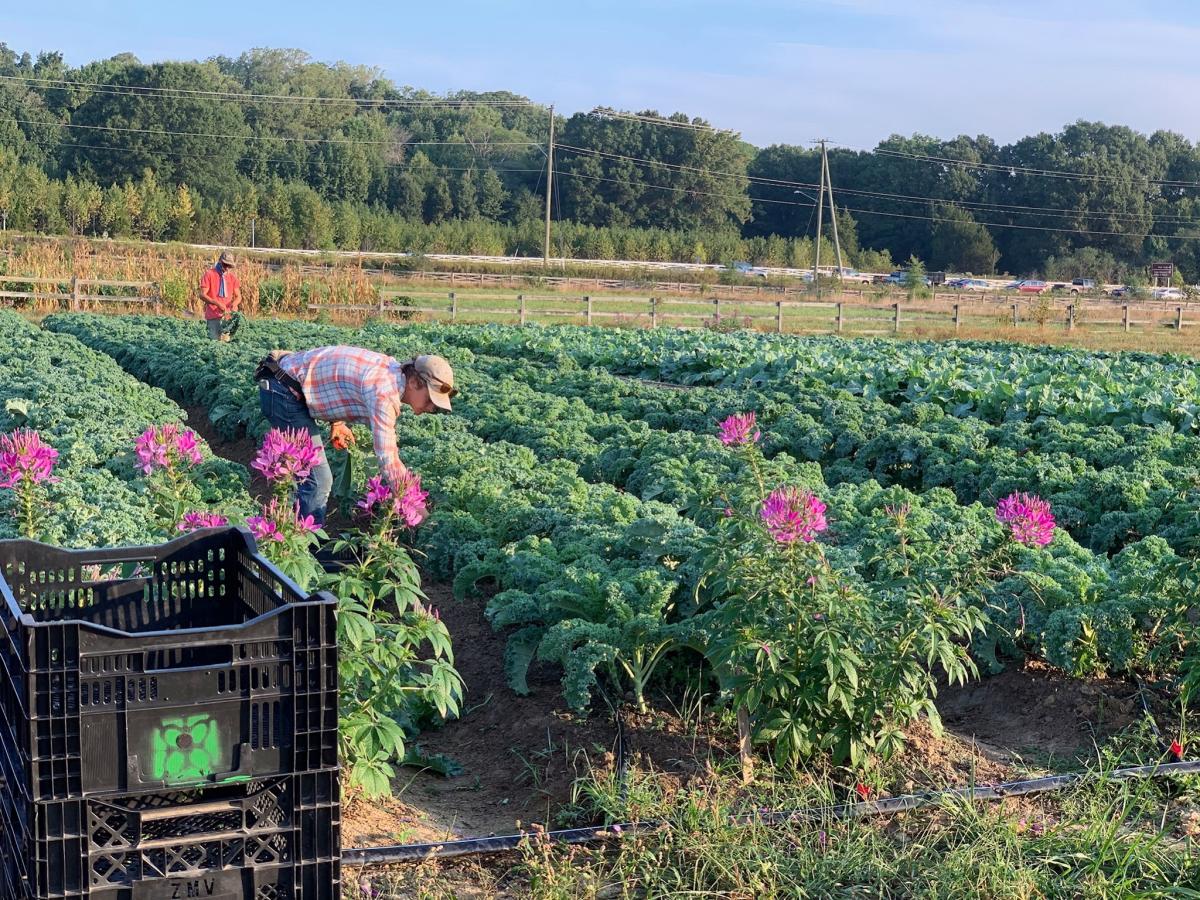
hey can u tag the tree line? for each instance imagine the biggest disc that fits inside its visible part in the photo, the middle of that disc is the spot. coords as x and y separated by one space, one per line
306 154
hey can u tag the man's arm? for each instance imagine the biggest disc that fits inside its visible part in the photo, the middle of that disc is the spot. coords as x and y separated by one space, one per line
384 407
209 291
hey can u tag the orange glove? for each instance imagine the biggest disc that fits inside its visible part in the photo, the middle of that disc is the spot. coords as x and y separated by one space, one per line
340 436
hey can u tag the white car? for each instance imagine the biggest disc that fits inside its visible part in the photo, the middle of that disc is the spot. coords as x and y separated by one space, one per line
1166 293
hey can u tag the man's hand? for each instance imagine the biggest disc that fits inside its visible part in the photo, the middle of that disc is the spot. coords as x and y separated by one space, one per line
340 436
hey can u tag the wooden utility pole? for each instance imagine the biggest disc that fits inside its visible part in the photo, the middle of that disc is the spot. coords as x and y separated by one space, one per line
549 187
820 210
837 244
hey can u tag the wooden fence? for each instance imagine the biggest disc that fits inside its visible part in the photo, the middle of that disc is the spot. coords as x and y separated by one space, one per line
79 293
778 315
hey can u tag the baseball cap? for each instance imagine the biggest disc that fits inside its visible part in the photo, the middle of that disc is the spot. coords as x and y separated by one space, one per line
440 378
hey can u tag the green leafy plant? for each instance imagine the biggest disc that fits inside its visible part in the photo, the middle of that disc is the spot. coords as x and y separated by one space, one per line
826 664
396 659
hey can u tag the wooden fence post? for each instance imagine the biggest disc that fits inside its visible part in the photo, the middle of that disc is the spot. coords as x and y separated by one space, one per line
779 317
157 288
957 316
717 308
653 312
1126 316
587 302
896 324
1070 317
381 304
1015 322
75 292
1179 318
840 318
453 307
521 307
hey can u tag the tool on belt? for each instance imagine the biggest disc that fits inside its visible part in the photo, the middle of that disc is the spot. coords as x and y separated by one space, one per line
269 369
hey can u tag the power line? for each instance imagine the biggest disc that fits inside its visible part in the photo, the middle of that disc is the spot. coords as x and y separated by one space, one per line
256 137
1010 207
267 159
1013 169
874 212
610 113
151 90
666 165
784 183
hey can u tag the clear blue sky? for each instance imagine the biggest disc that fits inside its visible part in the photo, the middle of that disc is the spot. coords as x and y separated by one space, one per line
851 70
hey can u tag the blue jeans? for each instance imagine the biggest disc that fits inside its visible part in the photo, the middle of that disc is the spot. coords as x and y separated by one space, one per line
283 410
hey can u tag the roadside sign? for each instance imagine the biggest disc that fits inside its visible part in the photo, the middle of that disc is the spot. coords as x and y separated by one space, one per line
1162 270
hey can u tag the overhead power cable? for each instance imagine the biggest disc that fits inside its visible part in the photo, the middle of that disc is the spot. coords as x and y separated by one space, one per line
261 159
874 212
609 113
785 183
1017 169
285 138
152 90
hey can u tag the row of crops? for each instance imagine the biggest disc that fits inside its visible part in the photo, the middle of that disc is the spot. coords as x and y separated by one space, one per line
91 411
582 482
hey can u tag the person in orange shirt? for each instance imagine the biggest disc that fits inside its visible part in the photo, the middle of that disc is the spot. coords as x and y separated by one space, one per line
222 294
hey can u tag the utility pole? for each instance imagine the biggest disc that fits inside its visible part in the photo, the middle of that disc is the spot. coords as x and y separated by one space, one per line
549 187
832 208
820 210
252 232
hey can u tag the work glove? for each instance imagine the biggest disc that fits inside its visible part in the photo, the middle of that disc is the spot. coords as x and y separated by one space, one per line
340 436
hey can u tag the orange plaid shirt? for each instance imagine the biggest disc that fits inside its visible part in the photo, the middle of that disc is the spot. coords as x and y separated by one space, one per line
347 384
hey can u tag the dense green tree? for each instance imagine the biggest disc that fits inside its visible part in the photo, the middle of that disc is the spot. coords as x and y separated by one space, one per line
958 242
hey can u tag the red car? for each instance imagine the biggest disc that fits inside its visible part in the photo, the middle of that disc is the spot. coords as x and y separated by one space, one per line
1033 287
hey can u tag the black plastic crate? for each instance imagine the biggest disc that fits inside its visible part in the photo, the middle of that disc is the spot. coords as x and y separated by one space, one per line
276 838
154 668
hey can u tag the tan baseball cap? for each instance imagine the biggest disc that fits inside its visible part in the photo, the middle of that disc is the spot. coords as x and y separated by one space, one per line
440 378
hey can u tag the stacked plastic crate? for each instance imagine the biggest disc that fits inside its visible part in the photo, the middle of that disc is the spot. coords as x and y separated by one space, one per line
168 725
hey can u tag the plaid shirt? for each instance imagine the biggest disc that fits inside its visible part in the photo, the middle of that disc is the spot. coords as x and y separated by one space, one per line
346 384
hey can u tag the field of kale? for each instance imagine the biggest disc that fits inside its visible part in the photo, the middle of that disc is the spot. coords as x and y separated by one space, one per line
896 519
572 444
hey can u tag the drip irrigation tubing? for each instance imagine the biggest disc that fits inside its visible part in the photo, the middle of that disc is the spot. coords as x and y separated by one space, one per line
365 857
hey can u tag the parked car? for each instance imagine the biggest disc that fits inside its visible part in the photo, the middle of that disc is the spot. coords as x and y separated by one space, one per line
1032 286
974 285
744 268
901 278
957 282
849 274
1166 293
1079 285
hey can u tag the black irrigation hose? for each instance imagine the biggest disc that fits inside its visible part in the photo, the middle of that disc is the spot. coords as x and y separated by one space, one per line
405 853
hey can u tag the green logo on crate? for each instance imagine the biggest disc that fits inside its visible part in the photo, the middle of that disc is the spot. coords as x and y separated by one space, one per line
185 750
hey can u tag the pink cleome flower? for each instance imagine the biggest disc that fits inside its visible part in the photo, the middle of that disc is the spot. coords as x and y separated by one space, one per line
791 514
163 446
25 458
407 503
194 521
1029 517
264 529
278 520
287 455
740 429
